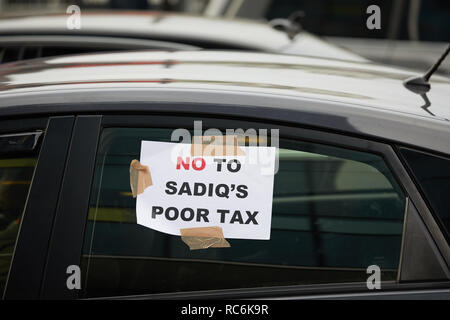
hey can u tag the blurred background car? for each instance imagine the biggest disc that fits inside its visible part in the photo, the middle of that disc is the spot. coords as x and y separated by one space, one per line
413 32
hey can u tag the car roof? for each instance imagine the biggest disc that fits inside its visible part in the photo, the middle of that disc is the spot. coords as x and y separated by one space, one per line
366 84
200 31
372 92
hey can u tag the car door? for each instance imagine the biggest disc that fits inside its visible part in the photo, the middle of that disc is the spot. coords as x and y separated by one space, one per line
341 206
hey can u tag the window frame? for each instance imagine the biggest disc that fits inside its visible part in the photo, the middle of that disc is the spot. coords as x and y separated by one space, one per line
436 217
29 256
90 127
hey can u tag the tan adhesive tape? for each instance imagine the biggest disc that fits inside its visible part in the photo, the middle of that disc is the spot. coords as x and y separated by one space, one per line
216 146
140 177
203 238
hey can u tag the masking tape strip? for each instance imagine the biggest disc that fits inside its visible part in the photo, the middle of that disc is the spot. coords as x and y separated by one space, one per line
203 238
216 146
140 177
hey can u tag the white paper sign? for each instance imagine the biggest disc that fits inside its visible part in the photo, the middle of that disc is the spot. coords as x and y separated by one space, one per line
232 192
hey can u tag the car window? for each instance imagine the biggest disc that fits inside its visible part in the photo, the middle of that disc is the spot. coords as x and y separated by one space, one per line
335 212
17 162
433 176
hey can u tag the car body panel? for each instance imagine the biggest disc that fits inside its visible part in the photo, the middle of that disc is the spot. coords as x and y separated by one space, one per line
361 98
368 84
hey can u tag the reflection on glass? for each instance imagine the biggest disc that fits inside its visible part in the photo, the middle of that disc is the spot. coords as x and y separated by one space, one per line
335 212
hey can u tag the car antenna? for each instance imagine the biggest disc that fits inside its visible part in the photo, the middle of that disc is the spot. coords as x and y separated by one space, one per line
291 26
421 84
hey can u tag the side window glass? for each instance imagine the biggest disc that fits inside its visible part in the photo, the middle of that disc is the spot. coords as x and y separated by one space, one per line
433 176
335 212
18 157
